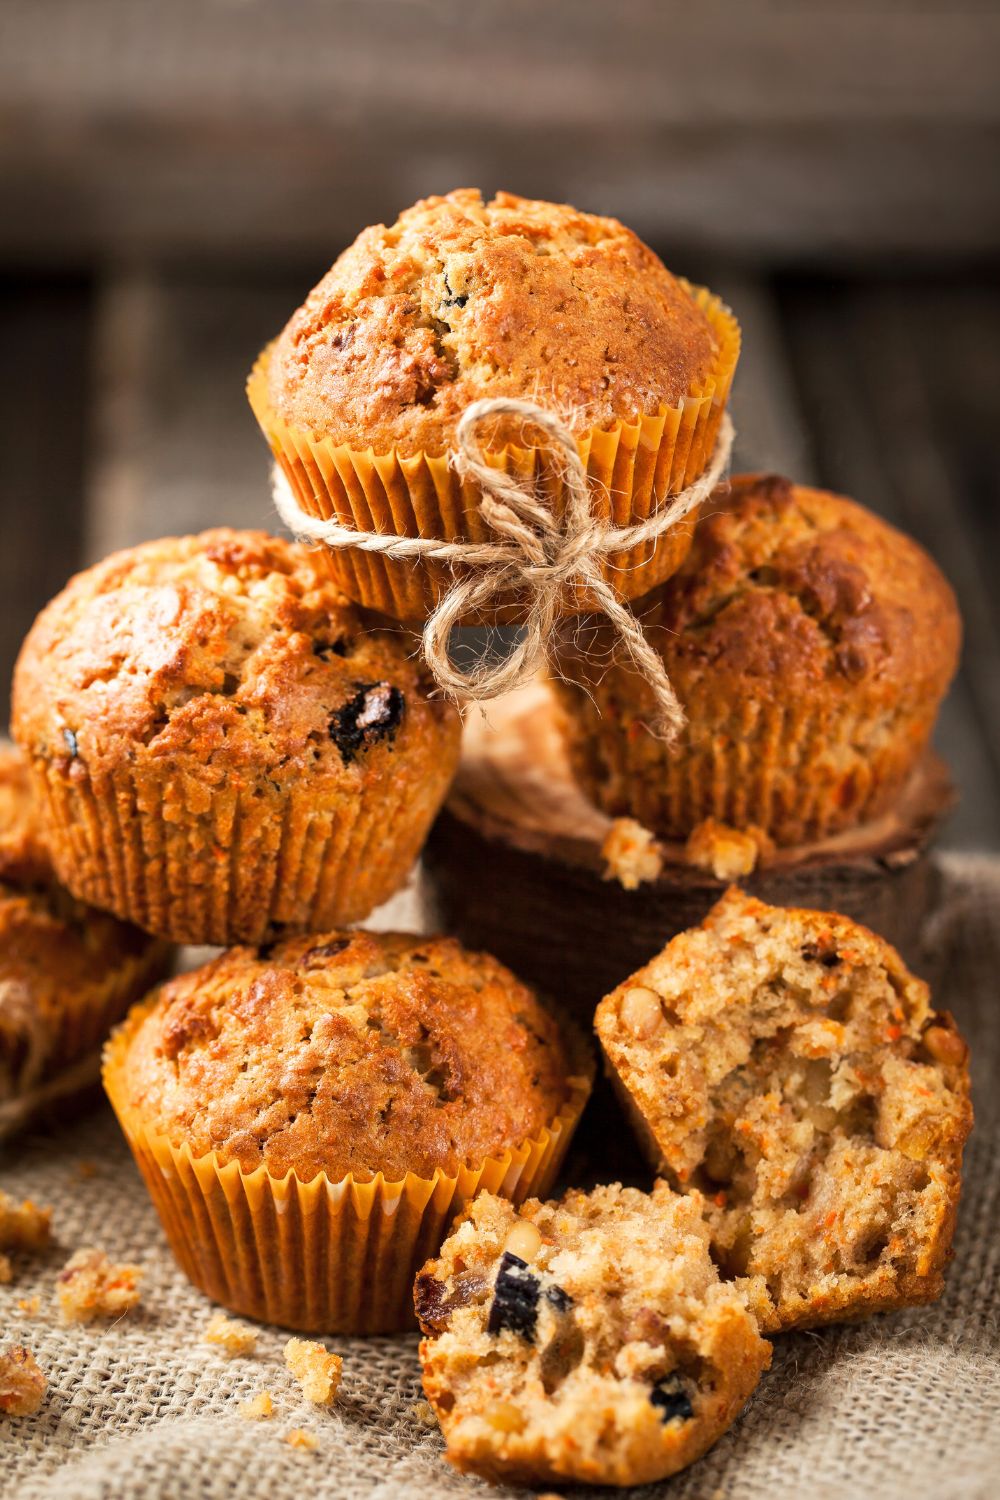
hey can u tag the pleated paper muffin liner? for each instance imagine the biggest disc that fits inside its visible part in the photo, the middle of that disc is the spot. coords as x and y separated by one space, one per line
224 863
633 468
318 1256
801 772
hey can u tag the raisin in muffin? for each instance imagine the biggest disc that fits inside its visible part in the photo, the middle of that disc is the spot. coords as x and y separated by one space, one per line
361 394
67 973
787 1065
361 1086
220 749
588 1339
810 644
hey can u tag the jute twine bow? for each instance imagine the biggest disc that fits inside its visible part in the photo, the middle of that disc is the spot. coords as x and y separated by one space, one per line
535 552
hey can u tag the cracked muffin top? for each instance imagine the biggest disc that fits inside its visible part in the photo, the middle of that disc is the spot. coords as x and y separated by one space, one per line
790 583
348 1052
231 647
461 299
24 859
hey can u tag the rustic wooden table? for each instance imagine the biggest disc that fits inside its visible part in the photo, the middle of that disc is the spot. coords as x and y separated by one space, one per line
122 417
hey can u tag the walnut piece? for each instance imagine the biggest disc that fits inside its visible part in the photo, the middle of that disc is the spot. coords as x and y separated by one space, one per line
91 1286
631 854
229 1335
315 1368
23 1226
22 1384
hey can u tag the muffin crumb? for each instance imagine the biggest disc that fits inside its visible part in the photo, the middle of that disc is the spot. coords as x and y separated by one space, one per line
23 1226
424 1413
22 1383
725 852
29 1306
316 1369
92 1286
233 1337
258 1408
631 854
305 1442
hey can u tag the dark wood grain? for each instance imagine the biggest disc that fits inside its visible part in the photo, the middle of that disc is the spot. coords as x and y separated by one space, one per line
44 346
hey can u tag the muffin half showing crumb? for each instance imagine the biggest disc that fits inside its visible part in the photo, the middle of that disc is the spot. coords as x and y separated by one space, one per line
309 1117
588 1339
786 1065
220 749
67 973
460 300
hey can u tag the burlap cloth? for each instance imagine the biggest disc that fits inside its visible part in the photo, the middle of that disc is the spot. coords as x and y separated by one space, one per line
907 1405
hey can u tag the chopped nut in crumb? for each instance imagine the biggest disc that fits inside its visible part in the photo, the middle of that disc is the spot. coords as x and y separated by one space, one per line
23 1226
91 1286
316 1370
22 1384
233 1337
631 854
6 1270
304 1441
30 1306
258 1408
727 853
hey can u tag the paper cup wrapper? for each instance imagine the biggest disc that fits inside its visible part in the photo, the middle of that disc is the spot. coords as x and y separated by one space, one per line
633 469
319 1256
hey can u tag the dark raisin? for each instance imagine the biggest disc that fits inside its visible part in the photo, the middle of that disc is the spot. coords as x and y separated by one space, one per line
265 950
71 744
451 300
373 714
325 950
515 1298
325 649
561 1301
829 958
429 1297
672 1400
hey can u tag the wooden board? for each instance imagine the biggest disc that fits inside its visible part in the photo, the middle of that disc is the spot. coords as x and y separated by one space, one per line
515 864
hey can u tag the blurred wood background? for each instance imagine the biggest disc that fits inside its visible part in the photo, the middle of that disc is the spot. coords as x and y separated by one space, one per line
174 176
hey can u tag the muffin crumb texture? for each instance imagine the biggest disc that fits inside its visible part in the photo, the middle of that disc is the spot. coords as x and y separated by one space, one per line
631 855
317 1371
22 1382
23 1226
92 1286
229 1335
588 1339
461 299
258 1409
727 853
301 1440
786 1067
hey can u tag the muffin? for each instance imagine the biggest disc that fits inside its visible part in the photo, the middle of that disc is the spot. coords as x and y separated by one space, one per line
810 645
787 1066
219 747
460 300
586 1340
67 974
308 1117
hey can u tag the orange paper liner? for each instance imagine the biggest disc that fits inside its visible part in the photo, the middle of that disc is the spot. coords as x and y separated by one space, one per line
222 864
633 468
318 1256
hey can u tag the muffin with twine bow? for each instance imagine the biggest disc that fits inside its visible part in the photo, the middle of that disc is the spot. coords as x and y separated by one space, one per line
514 336
810 645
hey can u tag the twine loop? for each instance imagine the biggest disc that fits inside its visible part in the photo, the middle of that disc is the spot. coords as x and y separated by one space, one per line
532 551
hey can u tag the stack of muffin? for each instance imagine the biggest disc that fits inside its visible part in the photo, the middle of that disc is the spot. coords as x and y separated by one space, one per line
229 742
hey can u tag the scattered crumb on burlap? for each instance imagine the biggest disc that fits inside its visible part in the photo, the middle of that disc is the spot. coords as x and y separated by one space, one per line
903 1408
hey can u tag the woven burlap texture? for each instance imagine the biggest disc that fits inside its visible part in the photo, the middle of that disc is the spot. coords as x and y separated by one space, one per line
905 1406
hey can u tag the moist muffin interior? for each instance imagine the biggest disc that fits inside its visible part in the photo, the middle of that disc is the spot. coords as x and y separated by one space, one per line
789 1067
583 1338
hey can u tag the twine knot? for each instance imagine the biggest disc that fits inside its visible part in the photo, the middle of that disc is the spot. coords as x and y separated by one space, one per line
534 552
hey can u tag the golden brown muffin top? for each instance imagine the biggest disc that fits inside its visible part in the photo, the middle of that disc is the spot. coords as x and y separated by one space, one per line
347 1052
796 584
233 646
461 299
24 859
